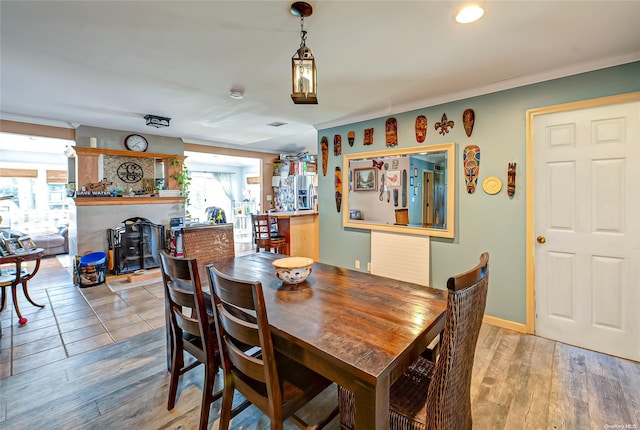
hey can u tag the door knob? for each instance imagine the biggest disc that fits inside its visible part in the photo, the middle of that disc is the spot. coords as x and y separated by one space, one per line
541 239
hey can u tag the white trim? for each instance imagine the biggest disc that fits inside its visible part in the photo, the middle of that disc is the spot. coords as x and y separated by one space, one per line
509 325
38 121
574 69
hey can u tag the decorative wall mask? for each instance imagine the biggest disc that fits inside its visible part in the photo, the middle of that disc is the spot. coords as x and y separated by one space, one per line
511 179
368 136
337 145
421 128
391 127
351 137
324 146
338 188
444 125
468 119
471 162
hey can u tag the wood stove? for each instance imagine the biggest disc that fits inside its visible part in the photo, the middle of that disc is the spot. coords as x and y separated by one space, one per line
136 244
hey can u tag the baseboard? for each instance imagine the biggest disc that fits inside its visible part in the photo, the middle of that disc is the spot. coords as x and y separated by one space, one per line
510 325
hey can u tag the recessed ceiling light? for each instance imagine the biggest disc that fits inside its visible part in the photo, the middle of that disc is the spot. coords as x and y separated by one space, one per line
469 14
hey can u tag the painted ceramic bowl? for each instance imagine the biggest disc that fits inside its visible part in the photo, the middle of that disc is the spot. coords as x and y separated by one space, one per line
293 270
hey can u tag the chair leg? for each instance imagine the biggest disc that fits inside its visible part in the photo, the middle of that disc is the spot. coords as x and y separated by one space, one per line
207 395
227 403
177 362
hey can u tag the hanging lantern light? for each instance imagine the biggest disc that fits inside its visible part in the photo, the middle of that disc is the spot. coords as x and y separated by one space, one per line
303 65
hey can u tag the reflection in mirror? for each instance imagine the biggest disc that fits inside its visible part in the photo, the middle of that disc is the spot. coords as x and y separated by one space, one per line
407 190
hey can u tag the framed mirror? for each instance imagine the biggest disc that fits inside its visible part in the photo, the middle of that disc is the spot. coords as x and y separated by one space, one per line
413 190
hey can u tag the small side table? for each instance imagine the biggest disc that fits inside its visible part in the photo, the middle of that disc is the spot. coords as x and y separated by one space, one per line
19 278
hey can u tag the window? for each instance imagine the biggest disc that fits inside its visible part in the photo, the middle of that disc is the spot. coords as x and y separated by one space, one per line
58 197
206 191
34 171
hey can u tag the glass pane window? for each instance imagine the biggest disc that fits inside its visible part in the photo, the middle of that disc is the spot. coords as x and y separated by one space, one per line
206 191
23 191
57 197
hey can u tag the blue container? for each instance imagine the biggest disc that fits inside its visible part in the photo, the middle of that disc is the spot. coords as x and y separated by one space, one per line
93 259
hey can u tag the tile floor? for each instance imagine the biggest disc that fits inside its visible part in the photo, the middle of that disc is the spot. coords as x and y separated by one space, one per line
74 320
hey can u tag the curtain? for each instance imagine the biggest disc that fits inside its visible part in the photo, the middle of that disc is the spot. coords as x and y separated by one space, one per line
224 179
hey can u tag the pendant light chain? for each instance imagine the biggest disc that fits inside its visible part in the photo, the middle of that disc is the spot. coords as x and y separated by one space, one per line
303 37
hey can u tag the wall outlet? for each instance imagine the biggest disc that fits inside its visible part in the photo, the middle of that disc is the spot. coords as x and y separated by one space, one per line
369 267
357 264
268 197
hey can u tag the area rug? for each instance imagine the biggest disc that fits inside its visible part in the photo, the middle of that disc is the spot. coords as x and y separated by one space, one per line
122 283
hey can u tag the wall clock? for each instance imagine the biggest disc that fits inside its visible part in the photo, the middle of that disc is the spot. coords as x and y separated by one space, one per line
130 172
135 142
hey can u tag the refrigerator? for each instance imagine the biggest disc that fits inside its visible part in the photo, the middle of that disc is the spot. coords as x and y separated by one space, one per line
304 192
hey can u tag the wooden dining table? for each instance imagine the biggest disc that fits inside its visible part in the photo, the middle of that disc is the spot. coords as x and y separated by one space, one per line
356 329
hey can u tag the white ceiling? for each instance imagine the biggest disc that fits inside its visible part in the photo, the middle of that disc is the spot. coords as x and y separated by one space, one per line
108 63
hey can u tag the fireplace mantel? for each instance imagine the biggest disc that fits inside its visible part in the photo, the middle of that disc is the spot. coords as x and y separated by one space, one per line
90 217
85 167
108 201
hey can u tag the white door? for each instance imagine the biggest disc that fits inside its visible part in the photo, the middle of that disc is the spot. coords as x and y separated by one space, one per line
587 226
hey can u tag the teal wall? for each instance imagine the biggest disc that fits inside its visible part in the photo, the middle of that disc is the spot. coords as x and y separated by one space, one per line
493 223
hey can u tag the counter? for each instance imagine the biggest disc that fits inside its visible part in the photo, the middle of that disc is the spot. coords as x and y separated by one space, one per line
302 232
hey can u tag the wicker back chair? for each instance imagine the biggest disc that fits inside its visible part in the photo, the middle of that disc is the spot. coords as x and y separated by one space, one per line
275 384
437 396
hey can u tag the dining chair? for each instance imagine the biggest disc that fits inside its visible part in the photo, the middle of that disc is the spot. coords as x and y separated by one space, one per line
274 383
192 328
437 395
263 235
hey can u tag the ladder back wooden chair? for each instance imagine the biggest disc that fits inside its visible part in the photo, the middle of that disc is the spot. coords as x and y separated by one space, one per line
192 328
274 383
437 395
263 236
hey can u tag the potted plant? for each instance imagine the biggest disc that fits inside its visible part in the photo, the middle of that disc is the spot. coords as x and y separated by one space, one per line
184 180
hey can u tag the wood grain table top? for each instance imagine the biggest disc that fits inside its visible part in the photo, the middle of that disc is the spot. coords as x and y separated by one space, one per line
353 327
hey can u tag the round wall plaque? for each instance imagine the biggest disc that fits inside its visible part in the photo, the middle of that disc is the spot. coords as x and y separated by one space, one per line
492 185
130 172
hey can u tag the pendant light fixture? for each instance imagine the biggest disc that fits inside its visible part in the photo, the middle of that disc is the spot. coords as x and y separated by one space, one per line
303 65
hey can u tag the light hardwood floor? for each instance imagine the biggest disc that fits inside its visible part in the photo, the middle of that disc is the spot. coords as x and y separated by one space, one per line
519 382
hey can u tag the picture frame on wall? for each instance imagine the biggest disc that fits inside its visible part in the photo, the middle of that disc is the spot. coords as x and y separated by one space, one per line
392 178
365 179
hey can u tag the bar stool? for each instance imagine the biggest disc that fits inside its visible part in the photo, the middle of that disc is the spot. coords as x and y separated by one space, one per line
264 237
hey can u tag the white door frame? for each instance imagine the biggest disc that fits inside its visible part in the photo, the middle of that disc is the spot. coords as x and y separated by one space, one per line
530 226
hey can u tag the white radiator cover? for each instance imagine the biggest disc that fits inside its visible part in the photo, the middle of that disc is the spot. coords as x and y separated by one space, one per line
403 257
